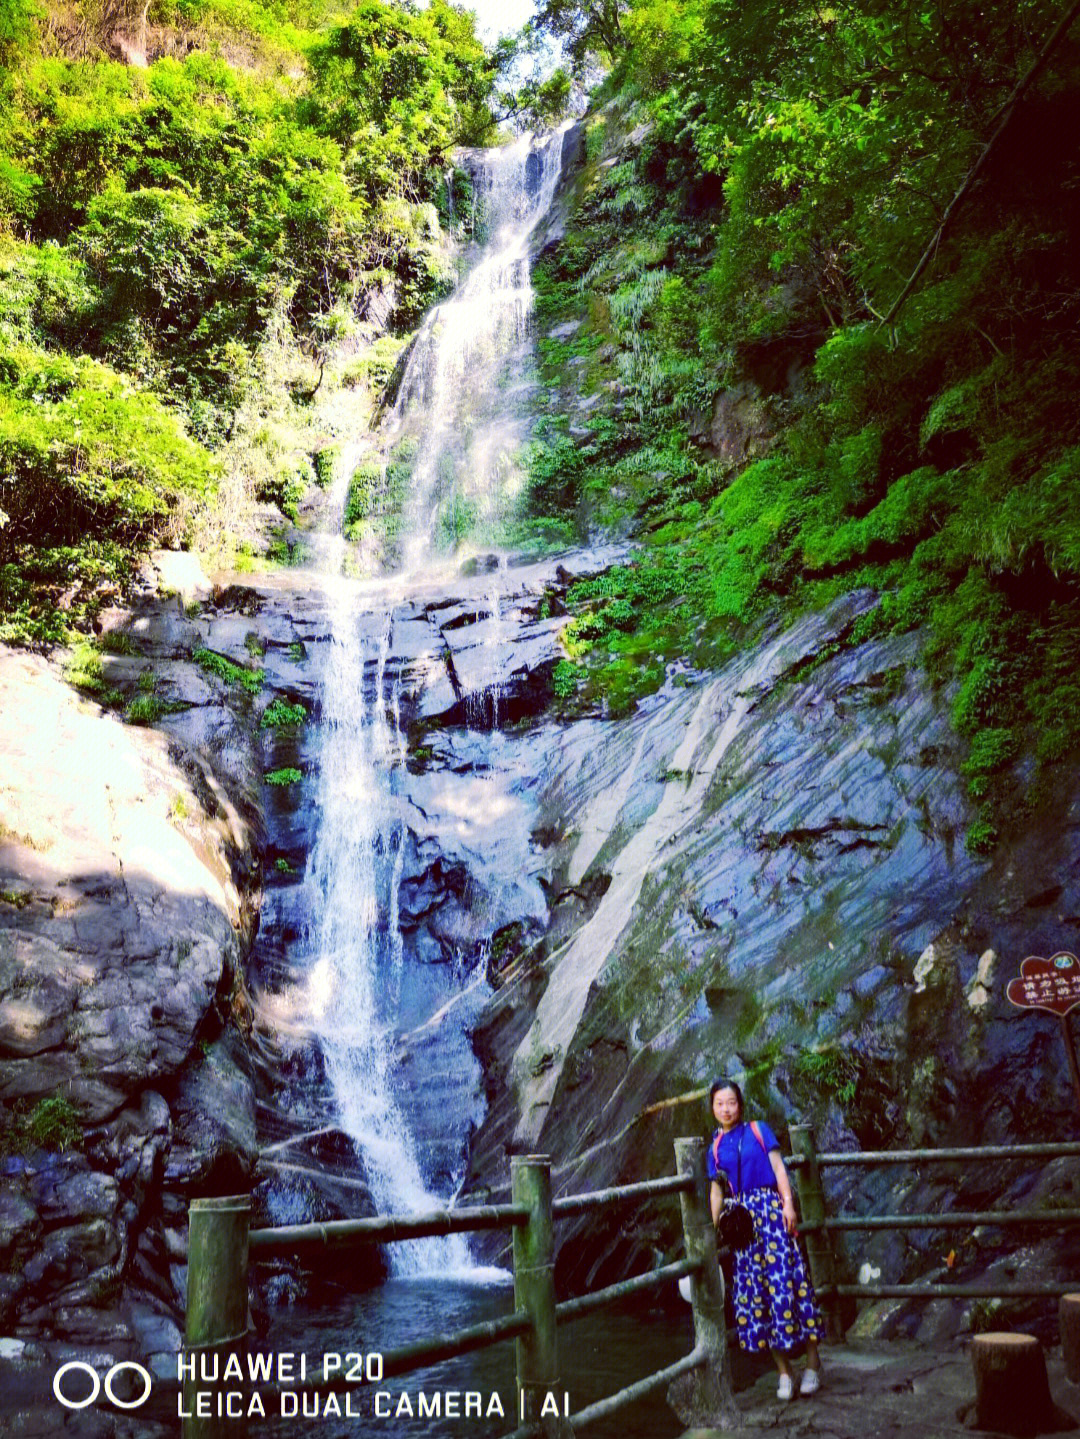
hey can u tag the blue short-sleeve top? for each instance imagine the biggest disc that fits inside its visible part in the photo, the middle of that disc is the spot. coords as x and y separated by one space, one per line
756 1170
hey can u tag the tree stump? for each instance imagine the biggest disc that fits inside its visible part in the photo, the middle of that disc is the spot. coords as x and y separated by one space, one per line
1012 1394
1069 1324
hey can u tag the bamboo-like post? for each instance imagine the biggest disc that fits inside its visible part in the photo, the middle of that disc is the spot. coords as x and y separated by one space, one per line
217 1308
534 1292
818 1245
707 1400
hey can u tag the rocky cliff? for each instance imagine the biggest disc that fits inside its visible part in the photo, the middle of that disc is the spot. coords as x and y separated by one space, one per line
125 909
760 870
756 873
765 880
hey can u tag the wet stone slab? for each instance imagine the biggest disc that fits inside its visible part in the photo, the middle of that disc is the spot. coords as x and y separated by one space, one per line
886 1390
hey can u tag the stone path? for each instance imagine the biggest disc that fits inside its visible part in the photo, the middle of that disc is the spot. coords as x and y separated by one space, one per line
883 1390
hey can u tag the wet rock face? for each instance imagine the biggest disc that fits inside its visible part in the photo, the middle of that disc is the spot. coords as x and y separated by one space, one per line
786 897
459 659
762 871
124 871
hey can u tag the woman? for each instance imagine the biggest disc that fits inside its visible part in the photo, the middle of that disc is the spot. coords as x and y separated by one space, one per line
775 1307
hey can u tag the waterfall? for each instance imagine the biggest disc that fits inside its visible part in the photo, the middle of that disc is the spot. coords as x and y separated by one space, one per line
458 393
458 404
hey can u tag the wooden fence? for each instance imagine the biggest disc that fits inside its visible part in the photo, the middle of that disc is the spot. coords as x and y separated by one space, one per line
220 1246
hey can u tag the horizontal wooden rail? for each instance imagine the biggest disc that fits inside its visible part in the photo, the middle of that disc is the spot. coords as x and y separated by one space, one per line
948 1219
597 1198
586 1303
388 1229
604 1408
1066 1149
420 1354
466 1341
958 1291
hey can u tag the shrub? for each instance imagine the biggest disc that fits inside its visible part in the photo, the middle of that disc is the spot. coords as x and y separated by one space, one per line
325 463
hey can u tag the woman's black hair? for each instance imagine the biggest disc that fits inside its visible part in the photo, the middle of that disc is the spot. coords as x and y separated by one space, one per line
719 1084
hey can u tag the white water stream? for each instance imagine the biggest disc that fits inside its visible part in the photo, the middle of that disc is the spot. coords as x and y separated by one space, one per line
457 403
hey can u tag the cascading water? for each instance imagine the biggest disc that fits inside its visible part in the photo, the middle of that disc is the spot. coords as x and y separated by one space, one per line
458 405
457 395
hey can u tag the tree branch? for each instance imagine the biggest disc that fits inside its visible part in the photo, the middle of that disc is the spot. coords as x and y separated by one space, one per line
1008 110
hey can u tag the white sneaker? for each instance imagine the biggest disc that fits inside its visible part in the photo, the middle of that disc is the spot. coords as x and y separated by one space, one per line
811 1382
785 1387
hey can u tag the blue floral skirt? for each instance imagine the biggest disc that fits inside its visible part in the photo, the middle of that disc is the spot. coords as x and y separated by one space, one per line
775 1305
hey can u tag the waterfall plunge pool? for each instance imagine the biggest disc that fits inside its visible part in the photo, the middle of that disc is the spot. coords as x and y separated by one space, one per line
598 1354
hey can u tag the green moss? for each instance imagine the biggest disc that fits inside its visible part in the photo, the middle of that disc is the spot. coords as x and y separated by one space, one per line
287 552
833 1071
982 835
565 679
286 489
325 462
116 642
85 672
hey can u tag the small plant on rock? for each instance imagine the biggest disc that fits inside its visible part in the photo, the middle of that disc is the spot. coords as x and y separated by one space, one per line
53 1124
144 710
831 1070
287 775
280 715
224 669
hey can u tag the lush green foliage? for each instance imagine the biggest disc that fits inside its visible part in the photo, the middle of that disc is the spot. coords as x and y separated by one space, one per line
168 232
759 186
50 1124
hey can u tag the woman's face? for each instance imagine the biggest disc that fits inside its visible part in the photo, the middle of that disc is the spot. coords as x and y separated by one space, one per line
725 1108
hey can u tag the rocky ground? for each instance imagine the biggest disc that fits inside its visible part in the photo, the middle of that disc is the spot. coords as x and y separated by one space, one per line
881 1391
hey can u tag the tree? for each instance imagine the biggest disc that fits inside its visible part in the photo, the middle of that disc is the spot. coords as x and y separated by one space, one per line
590 29
397 88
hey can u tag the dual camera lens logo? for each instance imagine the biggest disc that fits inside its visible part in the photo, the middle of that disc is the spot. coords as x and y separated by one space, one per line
62 1384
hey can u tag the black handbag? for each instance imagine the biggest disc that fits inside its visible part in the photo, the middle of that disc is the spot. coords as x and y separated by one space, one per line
735 1227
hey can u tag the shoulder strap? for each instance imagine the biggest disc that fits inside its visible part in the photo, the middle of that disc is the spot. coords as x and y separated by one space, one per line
757 1136
716 1149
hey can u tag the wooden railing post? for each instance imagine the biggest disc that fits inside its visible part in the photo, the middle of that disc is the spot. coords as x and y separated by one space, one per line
819 1250
534 1292
704 1398
217 1309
